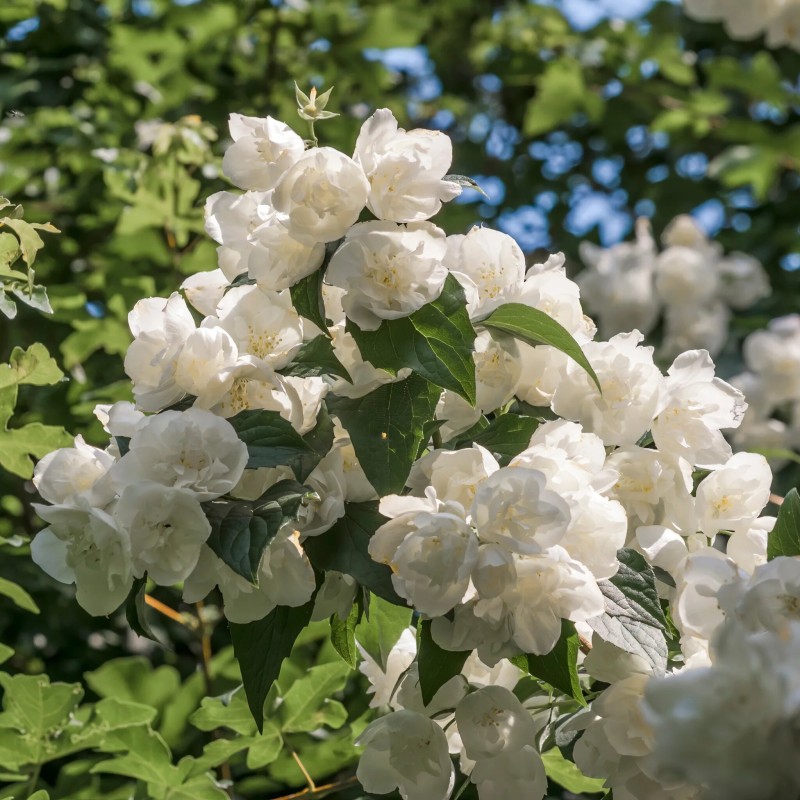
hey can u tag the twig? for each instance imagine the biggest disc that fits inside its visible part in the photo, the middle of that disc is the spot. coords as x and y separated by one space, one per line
167 611
320 790
312 787
776 499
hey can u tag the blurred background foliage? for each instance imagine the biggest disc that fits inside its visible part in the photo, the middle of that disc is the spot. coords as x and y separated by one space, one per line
575 117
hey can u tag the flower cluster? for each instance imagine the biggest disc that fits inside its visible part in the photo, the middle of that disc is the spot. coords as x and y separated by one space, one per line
355 402
777 20
690 282
771 381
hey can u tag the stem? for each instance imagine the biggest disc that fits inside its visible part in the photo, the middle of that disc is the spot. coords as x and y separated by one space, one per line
312 787
206 654
436 438
320 790
34 778
313 135
164 609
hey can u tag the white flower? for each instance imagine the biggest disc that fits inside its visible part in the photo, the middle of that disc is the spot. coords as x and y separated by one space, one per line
497 370
335 596
774 354
194 450
696 608
119 419
684 272
743 281
262 150
454 474
519 773
653 488
208 364
492 721
489 264
204 290
618 285
549 587
166 527
697 406
80 470
160 329
407 751
279 260
513 508
404 168
431 564
321 195
262 324
285 578
230 220
383 683
388 271
692 326
547 288
731 497
632 390
86 548
741 711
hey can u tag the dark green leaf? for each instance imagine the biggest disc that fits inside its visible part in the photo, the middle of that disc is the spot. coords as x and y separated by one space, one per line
559 667
307 293
241 530
436 666
507 435
633 619
343 633
535 327
387 427
135 607
343 548
316 358
260 648
272 441
436 342
784 540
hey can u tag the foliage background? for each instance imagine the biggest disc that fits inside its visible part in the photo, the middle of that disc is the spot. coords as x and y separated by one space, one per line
113 125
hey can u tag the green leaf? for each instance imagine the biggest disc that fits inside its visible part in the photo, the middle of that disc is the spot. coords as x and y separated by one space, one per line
229 711
261 647
241 530
386 427
298 710
435 341
633 619
343 635
343 548
34 366
436 666
380 629
507 435
306 294
35 297
561 92
784 540
315 358
566 774
559 667
18 596
30 243
5 653
146 757
535 327
272 441
135 609
36 714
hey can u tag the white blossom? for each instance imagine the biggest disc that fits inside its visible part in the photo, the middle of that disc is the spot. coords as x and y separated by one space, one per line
405 169
388 271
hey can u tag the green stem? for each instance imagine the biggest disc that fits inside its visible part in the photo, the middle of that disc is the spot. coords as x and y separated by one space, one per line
436 438
34 781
